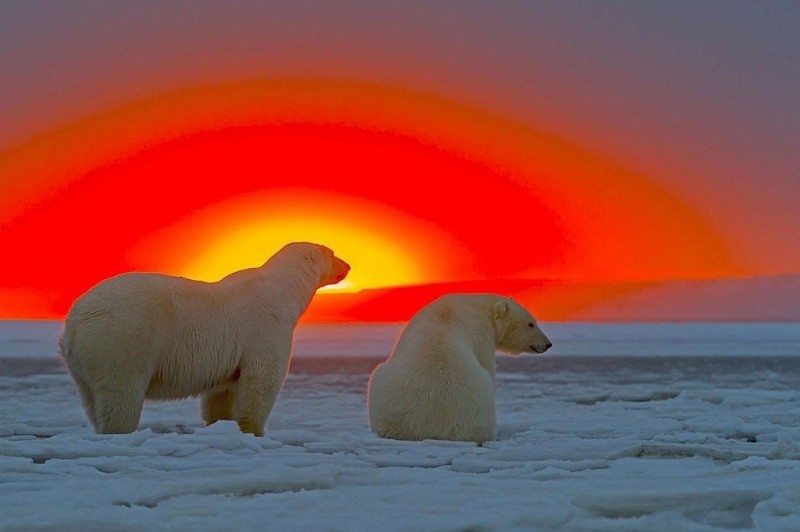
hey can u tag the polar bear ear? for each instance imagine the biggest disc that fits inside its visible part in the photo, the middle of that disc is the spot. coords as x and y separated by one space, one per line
500 309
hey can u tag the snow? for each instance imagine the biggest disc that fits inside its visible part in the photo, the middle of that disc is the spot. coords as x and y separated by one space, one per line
623 427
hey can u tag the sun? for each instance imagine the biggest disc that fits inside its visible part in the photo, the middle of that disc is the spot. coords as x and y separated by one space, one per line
375 260
381 244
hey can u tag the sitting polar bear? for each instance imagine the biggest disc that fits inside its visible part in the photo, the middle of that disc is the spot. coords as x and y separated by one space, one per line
439 382
144 336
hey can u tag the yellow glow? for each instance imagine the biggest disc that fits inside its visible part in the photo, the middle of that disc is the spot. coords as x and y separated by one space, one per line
375 261
343 286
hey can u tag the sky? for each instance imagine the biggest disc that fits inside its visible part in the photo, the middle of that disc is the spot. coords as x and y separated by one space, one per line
425 142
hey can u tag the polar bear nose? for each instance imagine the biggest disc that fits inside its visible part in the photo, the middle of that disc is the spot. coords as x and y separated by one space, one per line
535 349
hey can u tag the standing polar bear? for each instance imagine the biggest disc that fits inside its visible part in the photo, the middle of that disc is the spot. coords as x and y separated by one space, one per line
439 382
144 336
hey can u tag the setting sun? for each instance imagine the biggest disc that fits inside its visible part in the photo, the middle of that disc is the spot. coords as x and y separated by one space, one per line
380 243
376 261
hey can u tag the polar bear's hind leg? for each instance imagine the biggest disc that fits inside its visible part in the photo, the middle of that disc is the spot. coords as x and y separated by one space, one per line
217 406
117 411
87 398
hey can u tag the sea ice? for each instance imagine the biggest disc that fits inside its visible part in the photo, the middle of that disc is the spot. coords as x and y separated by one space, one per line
614 442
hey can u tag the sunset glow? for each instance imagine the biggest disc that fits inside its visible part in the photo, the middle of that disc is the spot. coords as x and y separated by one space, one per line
407 187
399 265
379 261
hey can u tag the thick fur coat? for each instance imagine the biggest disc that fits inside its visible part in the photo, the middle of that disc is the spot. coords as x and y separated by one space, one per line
144 336
439 382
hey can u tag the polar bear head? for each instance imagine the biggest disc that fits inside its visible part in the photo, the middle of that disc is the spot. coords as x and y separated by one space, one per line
318 261
332 268
517 330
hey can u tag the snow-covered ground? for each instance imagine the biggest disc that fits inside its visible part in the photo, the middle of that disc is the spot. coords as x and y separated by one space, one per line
622 427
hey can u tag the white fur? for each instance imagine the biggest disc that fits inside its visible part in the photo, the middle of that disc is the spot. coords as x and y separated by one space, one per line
439 382
148 335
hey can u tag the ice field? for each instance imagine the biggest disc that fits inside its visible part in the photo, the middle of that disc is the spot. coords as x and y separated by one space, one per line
618 427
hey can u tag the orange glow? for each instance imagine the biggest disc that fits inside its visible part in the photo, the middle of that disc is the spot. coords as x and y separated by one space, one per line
415 189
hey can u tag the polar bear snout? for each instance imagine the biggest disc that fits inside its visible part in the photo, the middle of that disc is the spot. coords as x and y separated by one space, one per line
337 272
341 269
541 348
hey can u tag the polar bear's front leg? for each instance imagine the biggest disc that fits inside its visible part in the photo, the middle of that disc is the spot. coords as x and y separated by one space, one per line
255 395
253 402
217 406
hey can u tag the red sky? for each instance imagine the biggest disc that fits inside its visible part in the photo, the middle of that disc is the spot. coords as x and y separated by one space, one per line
199 175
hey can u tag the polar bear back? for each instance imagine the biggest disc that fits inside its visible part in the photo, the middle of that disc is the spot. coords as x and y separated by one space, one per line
408 403
439 381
